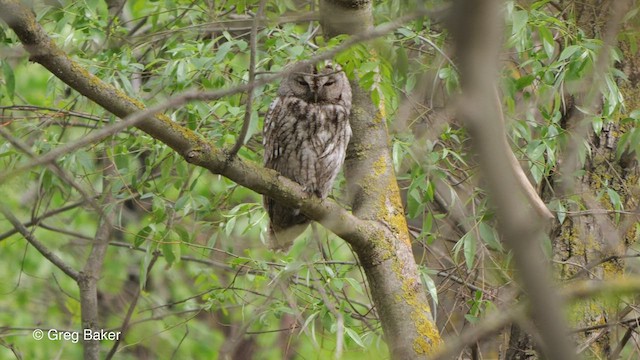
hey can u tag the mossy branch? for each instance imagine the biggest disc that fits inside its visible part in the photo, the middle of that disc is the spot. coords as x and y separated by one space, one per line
193 147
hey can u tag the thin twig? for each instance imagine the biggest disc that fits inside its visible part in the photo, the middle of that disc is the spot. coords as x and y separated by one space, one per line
132 306
338 315
57 169
42 249
253 48
55 111
49 214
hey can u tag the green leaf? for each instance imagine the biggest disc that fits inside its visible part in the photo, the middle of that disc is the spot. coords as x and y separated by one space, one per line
597 124
469 251
355 284
520 18
141 236
489 236
568 52
430 285
467 244
9 79
547 41
309 321
615 199
635 114
170 247
144 265
181 202
354 336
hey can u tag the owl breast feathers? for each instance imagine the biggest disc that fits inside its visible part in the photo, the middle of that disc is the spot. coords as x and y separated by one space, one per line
306 133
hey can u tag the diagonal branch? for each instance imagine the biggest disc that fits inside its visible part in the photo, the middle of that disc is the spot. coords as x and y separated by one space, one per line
477 32
55 260
45 52
193 147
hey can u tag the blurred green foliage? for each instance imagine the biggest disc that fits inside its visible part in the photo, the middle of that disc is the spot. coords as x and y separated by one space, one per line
215 276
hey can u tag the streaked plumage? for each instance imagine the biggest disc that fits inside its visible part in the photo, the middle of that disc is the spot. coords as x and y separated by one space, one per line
306 133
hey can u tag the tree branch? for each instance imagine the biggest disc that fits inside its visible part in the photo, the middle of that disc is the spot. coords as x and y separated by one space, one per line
92 270
55 260
477 30
5 235
187 143
380 238
253 49
193 147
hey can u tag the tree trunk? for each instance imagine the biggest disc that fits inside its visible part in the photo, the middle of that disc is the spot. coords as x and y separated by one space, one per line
387 259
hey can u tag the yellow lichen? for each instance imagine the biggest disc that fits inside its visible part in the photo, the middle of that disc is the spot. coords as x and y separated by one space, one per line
428 335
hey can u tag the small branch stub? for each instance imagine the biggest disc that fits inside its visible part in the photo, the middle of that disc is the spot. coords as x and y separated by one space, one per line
193 154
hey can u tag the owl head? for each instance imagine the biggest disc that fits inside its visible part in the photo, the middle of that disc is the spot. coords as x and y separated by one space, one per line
325 83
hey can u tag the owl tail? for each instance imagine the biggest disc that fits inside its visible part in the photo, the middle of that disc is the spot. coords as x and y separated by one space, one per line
281 239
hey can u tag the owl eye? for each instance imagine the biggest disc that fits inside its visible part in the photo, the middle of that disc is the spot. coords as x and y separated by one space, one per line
301 82
330 82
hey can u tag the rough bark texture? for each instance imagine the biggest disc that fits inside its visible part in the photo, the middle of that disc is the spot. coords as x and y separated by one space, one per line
387 258
592 246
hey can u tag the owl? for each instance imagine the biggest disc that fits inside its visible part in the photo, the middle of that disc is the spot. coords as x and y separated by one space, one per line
306 132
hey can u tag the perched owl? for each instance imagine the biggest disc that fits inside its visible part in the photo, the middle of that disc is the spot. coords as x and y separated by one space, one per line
306 133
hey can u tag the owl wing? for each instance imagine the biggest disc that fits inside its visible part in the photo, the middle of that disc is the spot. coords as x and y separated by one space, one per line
281 138
285 223
269 139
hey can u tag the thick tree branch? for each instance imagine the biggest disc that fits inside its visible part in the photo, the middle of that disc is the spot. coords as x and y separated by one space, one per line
400 298
387 259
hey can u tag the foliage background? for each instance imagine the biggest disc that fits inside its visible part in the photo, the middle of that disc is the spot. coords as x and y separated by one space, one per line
214 287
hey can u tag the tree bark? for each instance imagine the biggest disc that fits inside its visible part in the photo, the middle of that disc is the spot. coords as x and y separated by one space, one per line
387 259
593 246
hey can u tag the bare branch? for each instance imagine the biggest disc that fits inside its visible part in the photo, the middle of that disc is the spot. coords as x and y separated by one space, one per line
49 214
48 254
253 48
